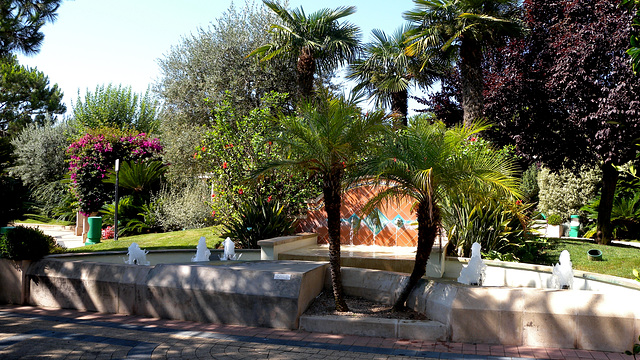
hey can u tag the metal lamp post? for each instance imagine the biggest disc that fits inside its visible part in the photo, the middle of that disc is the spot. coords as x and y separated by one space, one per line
115 215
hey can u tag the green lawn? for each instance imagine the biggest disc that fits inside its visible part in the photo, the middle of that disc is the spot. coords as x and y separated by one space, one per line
186 239
616 260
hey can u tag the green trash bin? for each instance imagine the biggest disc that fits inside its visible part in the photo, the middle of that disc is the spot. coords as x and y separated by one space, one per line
574 228
95 230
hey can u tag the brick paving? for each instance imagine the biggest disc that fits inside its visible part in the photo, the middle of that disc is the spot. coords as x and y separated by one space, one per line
35 333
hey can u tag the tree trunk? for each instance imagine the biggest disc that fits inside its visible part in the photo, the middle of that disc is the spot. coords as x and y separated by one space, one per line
306 67
399 108
609 181
427 232
471 80
332 189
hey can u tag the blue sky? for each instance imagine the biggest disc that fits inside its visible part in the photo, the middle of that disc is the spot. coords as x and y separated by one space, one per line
119 41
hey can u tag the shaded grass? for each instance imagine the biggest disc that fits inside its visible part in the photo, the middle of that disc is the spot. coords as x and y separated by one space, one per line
617 260
185 239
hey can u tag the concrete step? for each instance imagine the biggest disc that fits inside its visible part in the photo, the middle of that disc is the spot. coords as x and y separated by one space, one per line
376 327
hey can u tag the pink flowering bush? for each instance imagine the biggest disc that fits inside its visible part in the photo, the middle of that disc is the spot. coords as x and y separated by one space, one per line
93 155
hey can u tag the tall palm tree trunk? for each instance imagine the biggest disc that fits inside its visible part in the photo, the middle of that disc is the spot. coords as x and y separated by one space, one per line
428 222
306 67
471 80
609 181
332 189
399 107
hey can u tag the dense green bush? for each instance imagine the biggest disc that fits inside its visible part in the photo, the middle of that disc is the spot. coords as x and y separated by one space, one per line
238 144
23 243
625 216
258 220
116 107
40 153
184 207
565 193
529 185
555 219
500 226
13 199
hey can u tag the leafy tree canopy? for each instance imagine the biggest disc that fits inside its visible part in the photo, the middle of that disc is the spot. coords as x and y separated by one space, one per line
205 66
26 96
566 94
20 23
117 107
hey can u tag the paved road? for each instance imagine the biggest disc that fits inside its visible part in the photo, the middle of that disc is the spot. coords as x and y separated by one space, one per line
35 333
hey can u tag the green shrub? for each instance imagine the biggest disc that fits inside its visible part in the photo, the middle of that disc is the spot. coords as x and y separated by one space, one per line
258 220
529 185
184 207
565 193
555 219
625 216
492 222
13 203
23 243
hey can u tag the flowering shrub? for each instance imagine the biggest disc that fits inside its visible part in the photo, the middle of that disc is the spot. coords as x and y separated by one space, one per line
94 154
238 144
108 232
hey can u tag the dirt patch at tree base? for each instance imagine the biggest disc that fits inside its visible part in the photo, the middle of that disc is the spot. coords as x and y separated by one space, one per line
324 304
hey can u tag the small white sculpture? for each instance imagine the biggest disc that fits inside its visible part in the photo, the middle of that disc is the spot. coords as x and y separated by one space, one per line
229 251
202 252
474 272
563 271
136 255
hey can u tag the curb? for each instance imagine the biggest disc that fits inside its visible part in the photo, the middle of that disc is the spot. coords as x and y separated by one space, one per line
374 327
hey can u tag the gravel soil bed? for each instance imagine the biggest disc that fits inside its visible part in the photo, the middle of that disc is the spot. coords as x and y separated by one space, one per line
359 307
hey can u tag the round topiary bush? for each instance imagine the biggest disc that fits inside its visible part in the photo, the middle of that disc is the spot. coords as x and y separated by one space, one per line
23 243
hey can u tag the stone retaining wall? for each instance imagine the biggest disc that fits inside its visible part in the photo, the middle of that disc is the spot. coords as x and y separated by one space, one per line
267 294
578 319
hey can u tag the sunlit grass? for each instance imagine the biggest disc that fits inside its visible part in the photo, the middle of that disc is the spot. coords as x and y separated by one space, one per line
617 260
186 239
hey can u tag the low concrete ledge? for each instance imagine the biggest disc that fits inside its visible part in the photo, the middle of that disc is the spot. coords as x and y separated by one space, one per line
387 328
271 248
269 294
590 320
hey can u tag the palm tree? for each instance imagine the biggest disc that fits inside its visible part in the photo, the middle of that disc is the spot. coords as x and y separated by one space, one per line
386 71
461 29
427 163
318 42
325 140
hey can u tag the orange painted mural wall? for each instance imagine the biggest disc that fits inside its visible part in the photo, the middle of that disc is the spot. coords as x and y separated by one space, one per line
390 225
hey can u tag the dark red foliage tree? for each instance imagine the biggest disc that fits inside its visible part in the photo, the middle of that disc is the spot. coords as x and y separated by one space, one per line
566 94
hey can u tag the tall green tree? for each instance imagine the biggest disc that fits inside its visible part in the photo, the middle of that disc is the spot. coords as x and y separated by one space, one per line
318 41
26 96
386 72
461 30
117 107
428 163
209 69
566 94
20 24
326 140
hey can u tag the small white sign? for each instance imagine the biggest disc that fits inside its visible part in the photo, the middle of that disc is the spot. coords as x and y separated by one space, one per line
281 276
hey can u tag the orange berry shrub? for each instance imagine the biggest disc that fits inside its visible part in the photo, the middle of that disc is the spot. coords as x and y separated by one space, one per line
236 145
